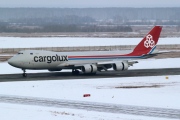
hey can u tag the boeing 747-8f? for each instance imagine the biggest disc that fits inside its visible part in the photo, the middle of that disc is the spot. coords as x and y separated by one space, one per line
88 62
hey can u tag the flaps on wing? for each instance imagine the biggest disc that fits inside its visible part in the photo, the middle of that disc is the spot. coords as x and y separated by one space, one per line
149 56
130 63
156 53
161 52
106 62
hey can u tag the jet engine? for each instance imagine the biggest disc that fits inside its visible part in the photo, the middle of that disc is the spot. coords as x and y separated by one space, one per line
120 66
89 68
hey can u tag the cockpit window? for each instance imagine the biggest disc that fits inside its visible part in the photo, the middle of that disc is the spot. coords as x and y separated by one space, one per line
20 53
31 53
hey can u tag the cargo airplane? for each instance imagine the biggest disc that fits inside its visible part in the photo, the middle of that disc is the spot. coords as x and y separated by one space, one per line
88 62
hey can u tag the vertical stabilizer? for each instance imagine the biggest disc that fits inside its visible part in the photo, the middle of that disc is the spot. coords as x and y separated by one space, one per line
148 43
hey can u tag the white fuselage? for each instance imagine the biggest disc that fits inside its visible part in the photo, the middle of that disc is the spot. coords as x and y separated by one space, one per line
38 59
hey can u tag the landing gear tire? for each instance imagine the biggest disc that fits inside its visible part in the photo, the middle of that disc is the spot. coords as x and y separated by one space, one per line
24 75
75 72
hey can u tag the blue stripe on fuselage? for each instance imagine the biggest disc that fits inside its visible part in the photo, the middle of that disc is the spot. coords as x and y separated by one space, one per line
122 57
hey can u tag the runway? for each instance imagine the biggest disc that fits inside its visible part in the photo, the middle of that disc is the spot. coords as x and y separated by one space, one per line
105 74
93 106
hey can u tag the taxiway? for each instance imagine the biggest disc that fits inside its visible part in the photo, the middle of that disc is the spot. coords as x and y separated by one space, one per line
104 74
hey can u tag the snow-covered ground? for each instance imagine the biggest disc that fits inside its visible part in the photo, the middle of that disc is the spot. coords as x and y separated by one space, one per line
160 92
16 42
157 92
25 112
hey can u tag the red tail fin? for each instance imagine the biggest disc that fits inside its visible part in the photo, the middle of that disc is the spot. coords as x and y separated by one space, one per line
148 43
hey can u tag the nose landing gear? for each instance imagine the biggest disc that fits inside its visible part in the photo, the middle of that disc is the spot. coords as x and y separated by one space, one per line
24 73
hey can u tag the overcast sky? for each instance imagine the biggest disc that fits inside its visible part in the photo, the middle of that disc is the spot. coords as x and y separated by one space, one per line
89 3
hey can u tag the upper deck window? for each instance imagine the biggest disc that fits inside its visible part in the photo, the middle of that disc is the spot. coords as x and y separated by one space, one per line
31 53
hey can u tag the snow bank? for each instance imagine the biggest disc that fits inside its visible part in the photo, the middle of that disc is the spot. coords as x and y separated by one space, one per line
6 42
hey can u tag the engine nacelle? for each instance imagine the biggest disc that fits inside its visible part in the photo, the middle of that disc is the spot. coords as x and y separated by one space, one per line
120 66
89 68
54 69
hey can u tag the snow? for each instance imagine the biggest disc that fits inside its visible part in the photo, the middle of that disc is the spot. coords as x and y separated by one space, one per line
101 90
6 42
165 94
26 112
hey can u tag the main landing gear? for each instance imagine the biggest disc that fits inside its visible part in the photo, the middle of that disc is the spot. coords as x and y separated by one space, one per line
75 72
24 73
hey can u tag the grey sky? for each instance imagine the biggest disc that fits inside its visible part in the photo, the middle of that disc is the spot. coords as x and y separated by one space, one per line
89 3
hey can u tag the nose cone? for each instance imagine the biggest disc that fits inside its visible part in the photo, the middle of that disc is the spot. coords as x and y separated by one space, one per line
13 62
10 61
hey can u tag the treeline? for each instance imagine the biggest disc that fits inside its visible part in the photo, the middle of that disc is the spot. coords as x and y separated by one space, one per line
86 28
95 13
69 19
84 19
65 28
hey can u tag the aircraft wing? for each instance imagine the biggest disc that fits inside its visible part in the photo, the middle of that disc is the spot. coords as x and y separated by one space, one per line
156 53
111 62
101 65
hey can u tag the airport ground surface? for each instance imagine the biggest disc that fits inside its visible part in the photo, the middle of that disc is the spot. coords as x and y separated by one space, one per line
104 74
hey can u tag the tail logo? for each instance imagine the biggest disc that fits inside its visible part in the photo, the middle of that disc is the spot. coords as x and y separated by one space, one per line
149 42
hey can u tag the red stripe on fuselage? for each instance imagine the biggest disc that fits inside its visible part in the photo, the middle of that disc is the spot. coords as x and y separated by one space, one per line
100 56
